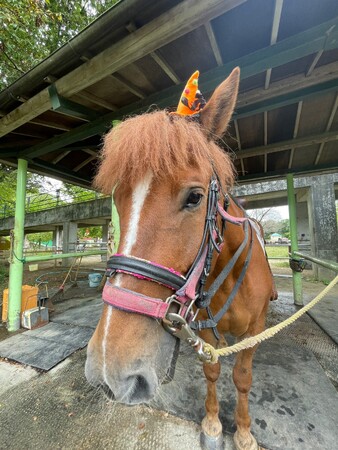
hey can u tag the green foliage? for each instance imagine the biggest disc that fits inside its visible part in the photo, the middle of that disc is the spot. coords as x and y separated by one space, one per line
8 186
284 228
89 232
76 193
38 239
32 29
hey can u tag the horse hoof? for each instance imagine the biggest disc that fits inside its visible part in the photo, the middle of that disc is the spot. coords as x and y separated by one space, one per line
245 442
212 442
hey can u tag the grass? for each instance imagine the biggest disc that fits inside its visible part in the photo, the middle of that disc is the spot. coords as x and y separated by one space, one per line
279 251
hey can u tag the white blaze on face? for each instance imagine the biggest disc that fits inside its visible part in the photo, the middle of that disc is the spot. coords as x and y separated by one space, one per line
138 198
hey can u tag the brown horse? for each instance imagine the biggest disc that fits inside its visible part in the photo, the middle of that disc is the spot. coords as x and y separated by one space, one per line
163 169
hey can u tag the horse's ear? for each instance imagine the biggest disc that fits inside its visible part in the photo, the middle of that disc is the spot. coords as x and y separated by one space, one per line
217 113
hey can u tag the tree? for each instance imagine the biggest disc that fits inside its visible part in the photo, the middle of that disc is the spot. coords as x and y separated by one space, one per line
32 29
8 186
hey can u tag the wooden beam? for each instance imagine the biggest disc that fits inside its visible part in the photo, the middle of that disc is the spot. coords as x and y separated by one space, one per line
29 134
265 162
90 152
295 131
102 124
317 56
61 173
85 95
328 126
68 107
128 85
290 84
50 124
238 137
286 145
84 163
274 34
310 169
158 58
265 114
213 43
242 166
210 80
61 156
171 25
287 99
314 63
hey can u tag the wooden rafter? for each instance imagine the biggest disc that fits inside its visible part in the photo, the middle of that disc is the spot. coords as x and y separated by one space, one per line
274 35
295 131
157 57
286 145
317 57
129 85
213 43
328 126
238 137
60 156
84 163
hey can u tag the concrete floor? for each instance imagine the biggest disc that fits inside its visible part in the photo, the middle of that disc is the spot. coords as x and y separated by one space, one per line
293 402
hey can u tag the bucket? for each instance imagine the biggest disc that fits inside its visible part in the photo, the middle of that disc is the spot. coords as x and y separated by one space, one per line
94 279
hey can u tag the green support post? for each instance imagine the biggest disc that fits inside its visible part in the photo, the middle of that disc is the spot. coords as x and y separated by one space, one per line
296 276
16 265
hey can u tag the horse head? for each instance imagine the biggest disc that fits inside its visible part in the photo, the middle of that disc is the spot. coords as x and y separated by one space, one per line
159 166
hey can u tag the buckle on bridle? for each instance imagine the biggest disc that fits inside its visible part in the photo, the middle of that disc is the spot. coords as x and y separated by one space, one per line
178 327
183 310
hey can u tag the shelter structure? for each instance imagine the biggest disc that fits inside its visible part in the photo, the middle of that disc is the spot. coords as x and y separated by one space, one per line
138 55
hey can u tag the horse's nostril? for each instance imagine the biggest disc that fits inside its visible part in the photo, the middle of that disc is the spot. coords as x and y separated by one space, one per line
141 385
139 389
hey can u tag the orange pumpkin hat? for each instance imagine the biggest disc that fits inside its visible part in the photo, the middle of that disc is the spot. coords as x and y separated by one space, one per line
191 101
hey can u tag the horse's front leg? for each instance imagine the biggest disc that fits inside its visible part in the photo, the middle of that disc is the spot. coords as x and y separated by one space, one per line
212 437
242 376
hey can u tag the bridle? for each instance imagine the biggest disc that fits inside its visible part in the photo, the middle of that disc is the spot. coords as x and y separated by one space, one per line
189 290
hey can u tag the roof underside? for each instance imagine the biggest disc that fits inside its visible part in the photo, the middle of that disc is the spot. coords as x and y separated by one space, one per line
141 52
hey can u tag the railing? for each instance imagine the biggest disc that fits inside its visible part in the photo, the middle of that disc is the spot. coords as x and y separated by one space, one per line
45 201
321 262
52 253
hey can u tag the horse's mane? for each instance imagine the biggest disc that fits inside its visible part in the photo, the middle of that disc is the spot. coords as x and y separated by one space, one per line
161 143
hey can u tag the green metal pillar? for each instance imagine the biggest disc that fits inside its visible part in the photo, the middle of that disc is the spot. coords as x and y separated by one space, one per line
296 276
16 266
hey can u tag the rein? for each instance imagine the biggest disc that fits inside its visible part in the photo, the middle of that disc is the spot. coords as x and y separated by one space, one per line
187 290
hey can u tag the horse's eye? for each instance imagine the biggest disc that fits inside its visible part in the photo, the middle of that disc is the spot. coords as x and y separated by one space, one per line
194 199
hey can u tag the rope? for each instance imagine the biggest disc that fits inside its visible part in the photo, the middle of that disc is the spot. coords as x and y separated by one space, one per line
267 334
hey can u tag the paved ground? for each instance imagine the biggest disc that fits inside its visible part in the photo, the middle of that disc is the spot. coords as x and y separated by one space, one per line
293 402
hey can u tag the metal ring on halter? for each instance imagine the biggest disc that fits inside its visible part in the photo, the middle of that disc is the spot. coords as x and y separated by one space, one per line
188 309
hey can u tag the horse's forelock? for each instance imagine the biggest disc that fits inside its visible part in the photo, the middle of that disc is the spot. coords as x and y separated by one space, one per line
161 144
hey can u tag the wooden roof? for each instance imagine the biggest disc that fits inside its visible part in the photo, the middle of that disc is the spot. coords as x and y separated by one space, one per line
140 53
